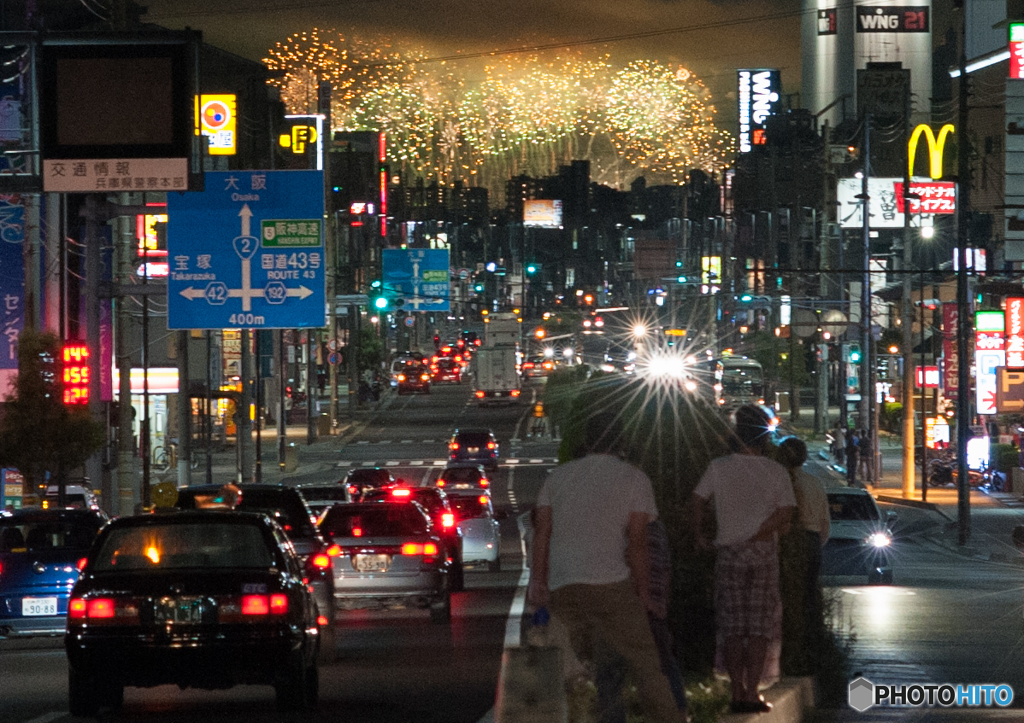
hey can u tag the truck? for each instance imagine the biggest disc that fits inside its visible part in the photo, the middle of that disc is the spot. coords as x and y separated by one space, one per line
497 374
502 329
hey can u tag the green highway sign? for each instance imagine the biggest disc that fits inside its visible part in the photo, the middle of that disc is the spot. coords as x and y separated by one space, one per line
290 233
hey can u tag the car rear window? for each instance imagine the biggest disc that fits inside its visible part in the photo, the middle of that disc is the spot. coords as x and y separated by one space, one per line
337 493
461 474
283 505
371 476
473 439
852 507
184 546
469 507
384 520
23 535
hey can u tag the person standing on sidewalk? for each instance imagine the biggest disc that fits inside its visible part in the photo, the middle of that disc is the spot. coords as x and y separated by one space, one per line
852 448
591 564
840 444
867 456
753 503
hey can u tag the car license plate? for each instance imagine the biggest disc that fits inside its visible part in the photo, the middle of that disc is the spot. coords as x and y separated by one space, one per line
462 486
371 563
179 611
31 606
497 394
472 450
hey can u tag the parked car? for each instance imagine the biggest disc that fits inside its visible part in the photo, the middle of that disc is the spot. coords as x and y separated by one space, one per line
481 533
41 553
202 599
391 556
861 540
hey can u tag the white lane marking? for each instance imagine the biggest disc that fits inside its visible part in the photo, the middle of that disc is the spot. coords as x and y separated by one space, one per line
536 461
511 461
510 489
344 463
392 463
428 441
440 462
384 441
425 482
363 441
514 626
406 441
47 717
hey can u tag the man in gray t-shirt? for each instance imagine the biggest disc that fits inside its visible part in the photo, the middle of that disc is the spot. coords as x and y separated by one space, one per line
591 564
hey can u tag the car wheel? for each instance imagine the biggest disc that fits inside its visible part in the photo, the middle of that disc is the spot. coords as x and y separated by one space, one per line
458 576
441 611
495 564
82 698
295 685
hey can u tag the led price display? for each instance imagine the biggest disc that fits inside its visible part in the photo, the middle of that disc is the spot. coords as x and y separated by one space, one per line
76 373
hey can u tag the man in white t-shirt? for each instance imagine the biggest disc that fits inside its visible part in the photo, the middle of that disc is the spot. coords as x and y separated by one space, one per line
591 564
753 504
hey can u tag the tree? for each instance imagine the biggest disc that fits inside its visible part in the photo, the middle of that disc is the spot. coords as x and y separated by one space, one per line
40 436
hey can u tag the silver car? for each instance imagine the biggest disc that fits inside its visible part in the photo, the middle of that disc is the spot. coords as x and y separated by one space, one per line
389 555
860 542
481 533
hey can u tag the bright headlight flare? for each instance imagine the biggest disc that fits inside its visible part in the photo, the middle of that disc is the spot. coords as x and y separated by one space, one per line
879 539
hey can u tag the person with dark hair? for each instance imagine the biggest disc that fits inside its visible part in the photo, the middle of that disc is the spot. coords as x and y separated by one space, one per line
812 520
852 450
591 563
753 503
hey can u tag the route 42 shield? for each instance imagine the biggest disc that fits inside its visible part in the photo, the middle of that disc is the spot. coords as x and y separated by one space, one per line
247 252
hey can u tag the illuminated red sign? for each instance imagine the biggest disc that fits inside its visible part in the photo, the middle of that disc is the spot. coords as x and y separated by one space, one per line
1015 333
937 197
1017 50
929 379
990 341
76 373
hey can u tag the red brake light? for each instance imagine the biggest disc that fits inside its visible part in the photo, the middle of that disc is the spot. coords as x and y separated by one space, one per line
430 549
491 445
411 548
401 492
441 483
81 563
278 604
357 532
255 605
322 620
352 489
455 445
482 499
515 392
76 608
477 342
447 520
321 561
334 550
480 394
528 365
484 482
101 607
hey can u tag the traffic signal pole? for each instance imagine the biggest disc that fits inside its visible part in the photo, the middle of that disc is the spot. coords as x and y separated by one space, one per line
867 389
963 408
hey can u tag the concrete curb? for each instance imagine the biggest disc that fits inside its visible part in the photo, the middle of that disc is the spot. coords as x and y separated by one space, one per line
913 503
790 699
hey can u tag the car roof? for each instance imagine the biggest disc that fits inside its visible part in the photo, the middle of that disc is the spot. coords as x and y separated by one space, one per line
185 517
36 514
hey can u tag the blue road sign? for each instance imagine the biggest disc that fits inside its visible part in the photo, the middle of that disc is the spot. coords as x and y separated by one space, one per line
247 252
419 276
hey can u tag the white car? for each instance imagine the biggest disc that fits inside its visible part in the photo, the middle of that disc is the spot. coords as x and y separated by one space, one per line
481 533
861 538
76 497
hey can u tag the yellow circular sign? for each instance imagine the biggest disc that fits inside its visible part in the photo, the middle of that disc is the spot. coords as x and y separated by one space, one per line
164 494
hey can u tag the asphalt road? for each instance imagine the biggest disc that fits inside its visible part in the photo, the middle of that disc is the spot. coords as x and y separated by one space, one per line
391 667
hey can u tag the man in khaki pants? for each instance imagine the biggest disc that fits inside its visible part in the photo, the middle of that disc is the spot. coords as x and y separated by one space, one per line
591 565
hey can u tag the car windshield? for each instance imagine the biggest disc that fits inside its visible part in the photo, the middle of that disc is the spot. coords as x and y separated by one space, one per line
852 507
184 546
473 439
461 474
740 380
469 507
18 535
384 520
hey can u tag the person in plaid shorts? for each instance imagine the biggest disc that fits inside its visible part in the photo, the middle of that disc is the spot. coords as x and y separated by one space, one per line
753 503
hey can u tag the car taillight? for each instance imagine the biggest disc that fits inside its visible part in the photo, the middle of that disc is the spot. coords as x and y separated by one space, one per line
491 445
447 520
482 499
334 550
424 377
321 561
484 482
255 605
441 483
278 604
357 532
515 392
401 492
352 489
480 394
415 548
81 563
76 608
322 620
528 365
401 377
100 607
453 446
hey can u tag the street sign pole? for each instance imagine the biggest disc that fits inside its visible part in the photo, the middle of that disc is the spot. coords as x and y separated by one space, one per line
243 425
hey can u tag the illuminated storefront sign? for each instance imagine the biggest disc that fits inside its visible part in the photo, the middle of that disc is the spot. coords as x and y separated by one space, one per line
1015 333
989 355
302 143
758 98
1017 50
937 197
216 119
905 19
930 377
935 148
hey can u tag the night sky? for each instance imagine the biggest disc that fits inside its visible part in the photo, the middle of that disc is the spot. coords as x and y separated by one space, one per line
446 28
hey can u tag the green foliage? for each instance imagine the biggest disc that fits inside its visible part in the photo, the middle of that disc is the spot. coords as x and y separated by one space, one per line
707 700
561 388
371 350
773 353
1004 457
891 417
39 434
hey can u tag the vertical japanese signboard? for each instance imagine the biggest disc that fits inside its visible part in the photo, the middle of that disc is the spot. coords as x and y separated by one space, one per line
1015 333
1017 50
989 355
950 359
12 286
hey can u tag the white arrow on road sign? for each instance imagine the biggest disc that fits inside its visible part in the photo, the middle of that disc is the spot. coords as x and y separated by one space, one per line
192 294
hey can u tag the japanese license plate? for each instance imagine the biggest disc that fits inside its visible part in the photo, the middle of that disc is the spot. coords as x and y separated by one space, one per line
371 563
31 606
179 611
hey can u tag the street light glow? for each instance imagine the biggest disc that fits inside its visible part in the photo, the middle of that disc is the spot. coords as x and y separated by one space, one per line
639 330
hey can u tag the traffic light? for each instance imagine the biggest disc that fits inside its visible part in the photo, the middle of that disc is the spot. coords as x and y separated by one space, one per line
380 303
532 268
747 298
478 288
854 355
680 279
679 263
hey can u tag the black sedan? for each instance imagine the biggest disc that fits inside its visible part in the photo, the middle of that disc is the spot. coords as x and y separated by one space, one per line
204 599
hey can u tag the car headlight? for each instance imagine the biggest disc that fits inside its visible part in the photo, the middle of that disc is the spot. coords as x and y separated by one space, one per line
879 539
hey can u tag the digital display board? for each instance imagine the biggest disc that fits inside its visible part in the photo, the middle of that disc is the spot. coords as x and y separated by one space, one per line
75 373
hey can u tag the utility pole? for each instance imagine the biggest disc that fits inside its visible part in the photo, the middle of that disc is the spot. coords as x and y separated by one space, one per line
184 412
123 499
866 387
907 316
963 203
243 425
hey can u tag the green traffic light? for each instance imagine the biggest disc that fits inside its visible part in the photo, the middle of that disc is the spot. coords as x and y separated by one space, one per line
531 269
478 288
854 356
680 279
746 298
380 303
679 264
375 284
